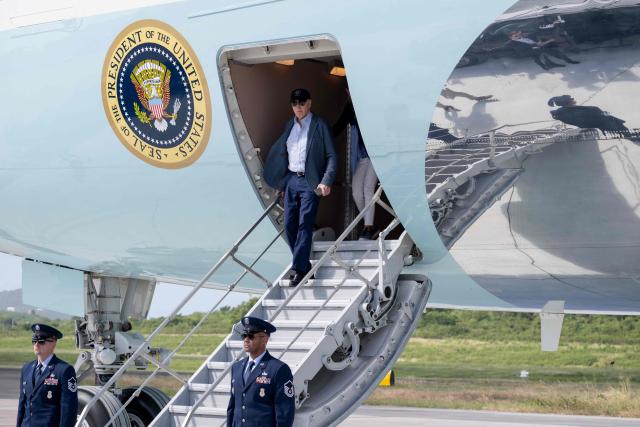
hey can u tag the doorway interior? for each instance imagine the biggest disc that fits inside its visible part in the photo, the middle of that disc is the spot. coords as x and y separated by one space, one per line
257 80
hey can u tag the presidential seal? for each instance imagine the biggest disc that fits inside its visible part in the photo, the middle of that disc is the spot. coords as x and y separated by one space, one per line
155 95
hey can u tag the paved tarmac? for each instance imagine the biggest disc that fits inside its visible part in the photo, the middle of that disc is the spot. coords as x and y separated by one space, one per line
370 416
373 416
9 383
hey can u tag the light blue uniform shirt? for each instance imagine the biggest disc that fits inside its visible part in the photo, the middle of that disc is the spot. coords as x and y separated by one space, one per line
255 362
45 362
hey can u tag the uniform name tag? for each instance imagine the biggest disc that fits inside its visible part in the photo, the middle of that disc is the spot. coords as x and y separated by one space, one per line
50 381
263 380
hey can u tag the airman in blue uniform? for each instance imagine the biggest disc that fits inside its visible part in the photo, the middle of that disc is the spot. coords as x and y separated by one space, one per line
48 388
262 391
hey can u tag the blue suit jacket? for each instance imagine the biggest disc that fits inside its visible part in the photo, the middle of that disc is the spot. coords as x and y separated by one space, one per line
321 162
267 399
53 401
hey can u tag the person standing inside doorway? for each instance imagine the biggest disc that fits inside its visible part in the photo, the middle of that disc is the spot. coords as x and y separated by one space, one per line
302 165
364 181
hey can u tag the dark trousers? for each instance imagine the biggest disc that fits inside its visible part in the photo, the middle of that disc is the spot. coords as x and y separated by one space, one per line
300 208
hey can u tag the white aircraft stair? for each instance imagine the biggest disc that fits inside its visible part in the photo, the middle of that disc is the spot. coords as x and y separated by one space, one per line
328 325
465 177
340 330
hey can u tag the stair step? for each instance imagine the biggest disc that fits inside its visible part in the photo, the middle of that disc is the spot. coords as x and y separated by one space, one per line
218 398
305 304
276 345
218 366
353 255
335 272
297 324
367 262
354 245
319 291
289 330
203 410
213 372
203 416
303 310
327 283
222 387
292 357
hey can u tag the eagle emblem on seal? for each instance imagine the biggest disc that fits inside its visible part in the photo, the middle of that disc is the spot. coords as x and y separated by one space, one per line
151 79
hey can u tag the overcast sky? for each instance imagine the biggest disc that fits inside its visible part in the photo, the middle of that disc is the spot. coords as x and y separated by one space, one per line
165 299
10 274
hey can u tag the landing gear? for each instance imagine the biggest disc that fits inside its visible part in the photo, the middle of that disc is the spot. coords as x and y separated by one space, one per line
143 409
139 413
103 410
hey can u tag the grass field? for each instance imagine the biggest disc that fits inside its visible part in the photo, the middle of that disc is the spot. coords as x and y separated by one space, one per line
619 399
458 373
456 359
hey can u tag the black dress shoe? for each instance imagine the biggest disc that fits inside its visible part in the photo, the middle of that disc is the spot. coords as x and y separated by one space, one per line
295 280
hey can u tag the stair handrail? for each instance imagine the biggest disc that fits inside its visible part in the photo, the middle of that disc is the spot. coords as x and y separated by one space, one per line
329 252
166 360
142 347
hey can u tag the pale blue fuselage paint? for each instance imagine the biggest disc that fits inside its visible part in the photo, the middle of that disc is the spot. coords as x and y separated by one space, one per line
73 195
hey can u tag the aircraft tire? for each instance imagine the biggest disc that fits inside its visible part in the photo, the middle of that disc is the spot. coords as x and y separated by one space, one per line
103 410
143 409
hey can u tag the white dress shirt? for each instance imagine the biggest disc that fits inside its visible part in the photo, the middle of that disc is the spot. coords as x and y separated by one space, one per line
297 143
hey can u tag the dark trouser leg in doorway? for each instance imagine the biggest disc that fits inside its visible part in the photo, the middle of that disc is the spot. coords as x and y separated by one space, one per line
300 208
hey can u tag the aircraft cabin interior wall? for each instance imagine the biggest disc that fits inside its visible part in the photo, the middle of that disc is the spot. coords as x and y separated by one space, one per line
262 92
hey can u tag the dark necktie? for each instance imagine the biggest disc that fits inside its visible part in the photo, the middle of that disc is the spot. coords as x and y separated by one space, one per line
248 371
36 374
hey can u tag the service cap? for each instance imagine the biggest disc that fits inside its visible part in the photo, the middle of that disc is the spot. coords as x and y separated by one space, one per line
42 332
252 325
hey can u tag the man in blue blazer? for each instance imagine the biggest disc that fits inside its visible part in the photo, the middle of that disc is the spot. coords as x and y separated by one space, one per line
302 164
262 391
48 387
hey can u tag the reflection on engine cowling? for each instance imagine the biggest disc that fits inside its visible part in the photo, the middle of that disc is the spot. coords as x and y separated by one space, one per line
533 152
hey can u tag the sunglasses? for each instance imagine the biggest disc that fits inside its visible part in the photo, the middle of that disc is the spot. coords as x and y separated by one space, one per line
250 336
296 102
41 342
